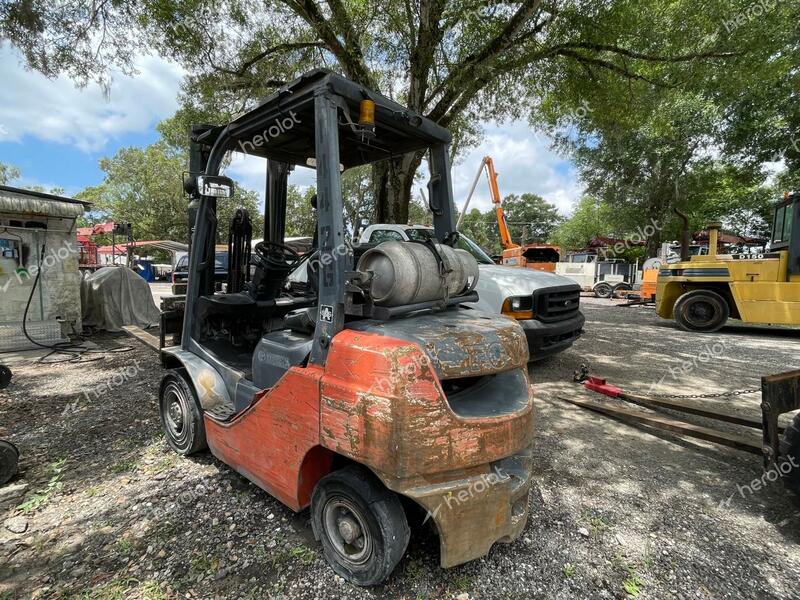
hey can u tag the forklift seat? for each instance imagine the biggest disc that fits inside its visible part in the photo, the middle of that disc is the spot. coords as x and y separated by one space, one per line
228 305
303 320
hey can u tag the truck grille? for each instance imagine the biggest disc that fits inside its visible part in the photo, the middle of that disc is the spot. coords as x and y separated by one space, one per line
557 304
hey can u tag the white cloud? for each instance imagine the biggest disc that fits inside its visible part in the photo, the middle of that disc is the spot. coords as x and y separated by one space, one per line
524 163
251 172
55 110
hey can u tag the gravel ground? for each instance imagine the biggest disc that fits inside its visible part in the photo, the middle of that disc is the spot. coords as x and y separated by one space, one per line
616 511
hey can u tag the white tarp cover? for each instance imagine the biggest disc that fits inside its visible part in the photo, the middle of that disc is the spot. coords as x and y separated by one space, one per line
116 296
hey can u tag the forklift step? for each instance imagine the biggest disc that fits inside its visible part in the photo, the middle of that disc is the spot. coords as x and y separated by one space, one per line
744 443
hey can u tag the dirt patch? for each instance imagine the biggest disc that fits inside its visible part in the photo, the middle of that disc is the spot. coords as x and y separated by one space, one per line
617 512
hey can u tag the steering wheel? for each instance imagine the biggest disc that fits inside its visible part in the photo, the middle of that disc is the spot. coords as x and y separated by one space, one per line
275 255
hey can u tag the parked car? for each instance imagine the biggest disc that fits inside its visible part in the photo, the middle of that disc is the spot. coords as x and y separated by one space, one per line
181 273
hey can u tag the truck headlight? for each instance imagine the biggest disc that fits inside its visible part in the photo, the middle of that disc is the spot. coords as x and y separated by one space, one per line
518 307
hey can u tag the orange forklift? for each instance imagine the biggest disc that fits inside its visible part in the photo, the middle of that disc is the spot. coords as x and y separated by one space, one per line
370 382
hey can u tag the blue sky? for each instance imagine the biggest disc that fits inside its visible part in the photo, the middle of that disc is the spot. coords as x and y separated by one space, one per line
56 135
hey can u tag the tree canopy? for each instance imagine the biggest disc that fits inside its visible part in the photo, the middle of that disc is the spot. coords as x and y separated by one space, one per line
456 61
143 186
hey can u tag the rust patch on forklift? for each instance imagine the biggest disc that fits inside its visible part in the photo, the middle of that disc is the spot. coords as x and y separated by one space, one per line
395 397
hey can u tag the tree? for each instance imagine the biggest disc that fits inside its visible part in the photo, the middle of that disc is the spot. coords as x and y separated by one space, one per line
592 217
143 186
300 218
8 173
359 201
455 61
530 218
482 229
418 214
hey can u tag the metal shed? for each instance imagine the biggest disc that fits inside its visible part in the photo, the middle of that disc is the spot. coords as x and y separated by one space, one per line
38 267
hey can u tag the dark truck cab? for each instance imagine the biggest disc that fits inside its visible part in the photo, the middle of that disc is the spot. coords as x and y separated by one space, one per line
180 275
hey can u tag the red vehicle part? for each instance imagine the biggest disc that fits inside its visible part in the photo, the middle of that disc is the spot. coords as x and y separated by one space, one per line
375 394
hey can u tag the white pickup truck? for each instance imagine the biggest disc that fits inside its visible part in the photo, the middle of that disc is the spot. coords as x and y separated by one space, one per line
546 305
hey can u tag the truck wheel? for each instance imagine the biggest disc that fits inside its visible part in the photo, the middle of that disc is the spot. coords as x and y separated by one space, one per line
9 461
619 288
361 525
790 452
701 311
180 414
603 290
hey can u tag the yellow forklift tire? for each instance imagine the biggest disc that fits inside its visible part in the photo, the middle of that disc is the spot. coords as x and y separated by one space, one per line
702 311
361 525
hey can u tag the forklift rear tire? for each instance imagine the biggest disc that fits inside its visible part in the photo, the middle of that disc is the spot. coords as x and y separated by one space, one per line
790 453
361 525
181 416
702 311
9 461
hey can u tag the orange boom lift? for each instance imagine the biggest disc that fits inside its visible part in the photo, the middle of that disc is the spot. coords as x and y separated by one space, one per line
542 257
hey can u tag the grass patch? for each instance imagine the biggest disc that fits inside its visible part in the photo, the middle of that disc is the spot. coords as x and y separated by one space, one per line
204 564
461 582
414 571
126 466
568 570
280 556
124 545
117 589
42 497
151 590
632 584
303 554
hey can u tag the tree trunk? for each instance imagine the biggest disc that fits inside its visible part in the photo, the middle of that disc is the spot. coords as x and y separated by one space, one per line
393 180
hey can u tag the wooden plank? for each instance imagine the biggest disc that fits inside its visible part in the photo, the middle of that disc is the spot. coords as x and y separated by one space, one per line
143 336
746 444
692 409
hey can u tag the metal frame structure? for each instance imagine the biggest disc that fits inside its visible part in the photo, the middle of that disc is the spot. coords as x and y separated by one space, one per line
329 97
275 385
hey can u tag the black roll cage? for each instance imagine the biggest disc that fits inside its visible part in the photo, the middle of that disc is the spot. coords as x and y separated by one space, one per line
312 121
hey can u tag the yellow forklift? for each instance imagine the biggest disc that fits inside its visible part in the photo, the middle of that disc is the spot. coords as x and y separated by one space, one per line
702 292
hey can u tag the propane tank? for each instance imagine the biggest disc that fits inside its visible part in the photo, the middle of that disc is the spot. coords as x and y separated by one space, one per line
408 273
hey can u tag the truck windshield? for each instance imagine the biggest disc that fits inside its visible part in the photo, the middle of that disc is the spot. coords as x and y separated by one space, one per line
423 235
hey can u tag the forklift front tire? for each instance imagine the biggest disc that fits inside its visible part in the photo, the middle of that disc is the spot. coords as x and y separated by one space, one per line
702 311
361 525
180 414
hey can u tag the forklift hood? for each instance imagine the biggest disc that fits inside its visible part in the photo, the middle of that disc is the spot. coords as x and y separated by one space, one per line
460 343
